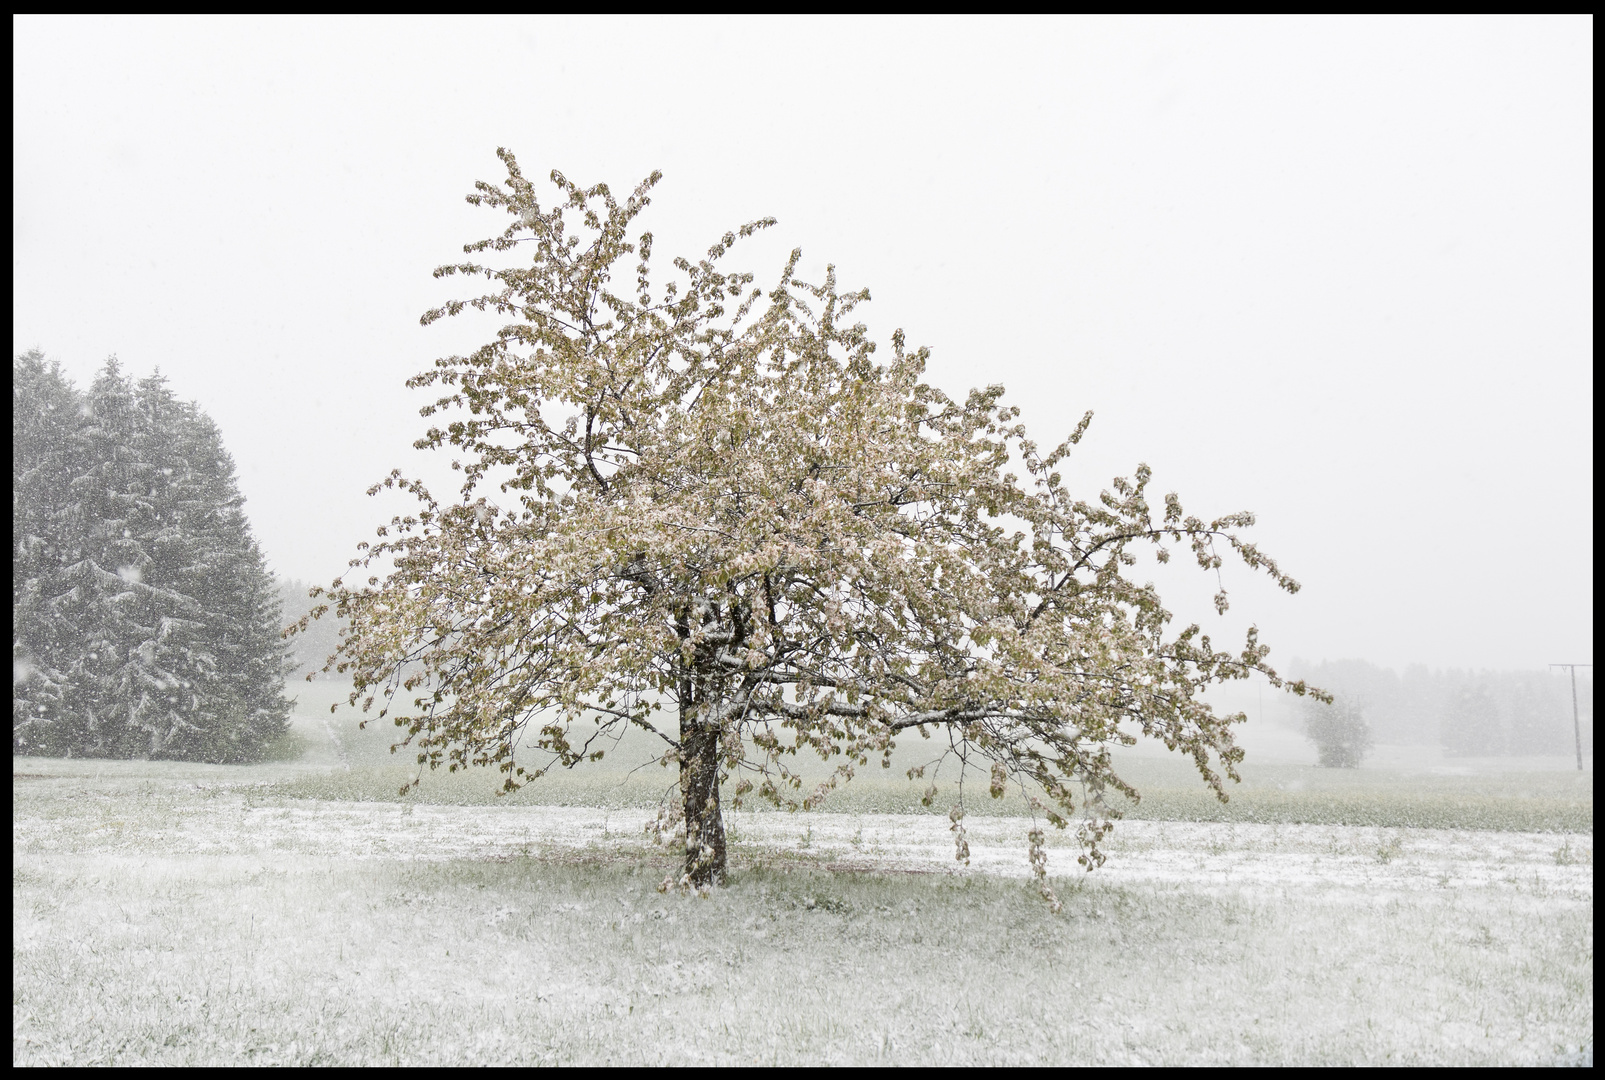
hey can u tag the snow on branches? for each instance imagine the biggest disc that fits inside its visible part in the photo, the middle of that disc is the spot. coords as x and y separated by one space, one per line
726 502
144 620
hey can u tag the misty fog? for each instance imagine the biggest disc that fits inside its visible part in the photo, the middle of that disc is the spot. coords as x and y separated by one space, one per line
1334 272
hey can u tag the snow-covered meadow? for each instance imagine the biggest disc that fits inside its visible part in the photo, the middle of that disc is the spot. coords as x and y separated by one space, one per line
185 914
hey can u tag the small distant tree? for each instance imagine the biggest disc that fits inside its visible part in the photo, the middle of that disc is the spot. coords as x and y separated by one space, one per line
1339 730
722 505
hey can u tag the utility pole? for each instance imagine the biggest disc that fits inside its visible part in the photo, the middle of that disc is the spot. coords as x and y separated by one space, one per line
1577 728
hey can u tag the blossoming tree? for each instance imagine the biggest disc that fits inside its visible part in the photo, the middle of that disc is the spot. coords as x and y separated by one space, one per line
726 505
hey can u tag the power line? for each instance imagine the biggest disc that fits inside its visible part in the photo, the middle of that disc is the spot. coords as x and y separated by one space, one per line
1577 728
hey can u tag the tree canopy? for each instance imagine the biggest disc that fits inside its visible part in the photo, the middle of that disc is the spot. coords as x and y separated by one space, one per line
144 620
725 502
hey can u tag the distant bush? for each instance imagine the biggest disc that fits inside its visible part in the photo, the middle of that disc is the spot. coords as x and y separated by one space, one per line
1341 736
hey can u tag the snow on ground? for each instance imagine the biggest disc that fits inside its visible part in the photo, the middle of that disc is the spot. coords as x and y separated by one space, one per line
1201 853
189 915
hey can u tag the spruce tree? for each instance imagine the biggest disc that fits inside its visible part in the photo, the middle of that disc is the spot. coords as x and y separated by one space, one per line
45 424
225 574
102 560
162 616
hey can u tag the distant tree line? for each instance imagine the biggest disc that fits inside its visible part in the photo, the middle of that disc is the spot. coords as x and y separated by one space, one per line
1468 713
144 620
312 645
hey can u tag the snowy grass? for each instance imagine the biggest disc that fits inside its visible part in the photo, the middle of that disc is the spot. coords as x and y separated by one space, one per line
169 914
1549 801
301 912
1281 783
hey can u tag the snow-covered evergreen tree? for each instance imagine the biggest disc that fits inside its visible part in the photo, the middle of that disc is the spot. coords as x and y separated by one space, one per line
45 423
165 616
101 559
227 576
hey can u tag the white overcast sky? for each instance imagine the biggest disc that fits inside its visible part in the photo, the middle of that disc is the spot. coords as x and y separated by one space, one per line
1334 271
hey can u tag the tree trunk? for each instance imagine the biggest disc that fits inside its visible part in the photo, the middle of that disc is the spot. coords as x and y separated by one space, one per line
699 783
